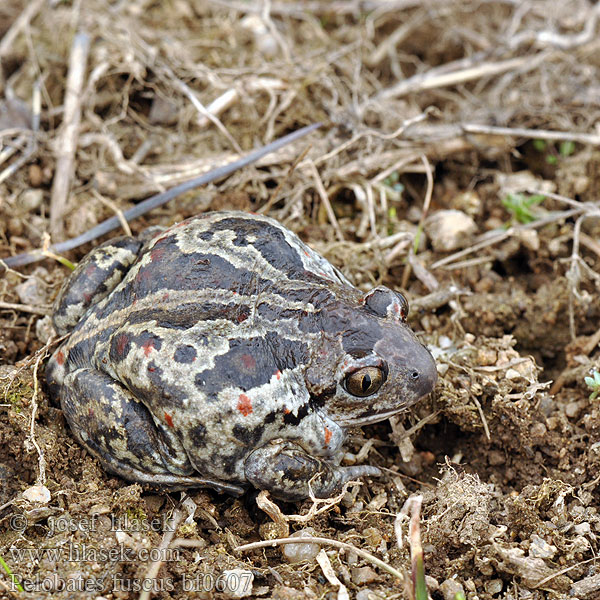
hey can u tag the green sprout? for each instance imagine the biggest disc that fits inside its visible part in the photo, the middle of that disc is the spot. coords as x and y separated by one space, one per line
519 206
593 383
565 148
10 574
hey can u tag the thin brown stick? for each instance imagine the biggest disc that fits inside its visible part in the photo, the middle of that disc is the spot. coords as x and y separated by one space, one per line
67 140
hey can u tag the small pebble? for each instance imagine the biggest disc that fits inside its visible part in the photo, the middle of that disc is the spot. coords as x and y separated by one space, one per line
538 430
468 202
486 357
15 226
37 493
373 536
33 291
493 586
450 588
450 230
44 329
582 528
572 409
368 595
364 575
539 548
496 457
294 553
36 177
29 200
530 239
512 374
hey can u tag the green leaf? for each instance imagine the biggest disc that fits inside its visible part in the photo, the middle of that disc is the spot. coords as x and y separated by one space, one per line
539 145
566 148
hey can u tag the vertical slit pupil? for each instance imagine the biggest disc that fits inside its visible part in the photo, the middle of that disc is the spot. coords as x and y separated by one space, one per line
366 383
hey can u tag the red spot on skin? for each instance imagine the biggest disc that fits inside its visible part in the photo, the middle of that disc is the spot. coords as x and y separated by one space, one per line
278 374
169 419
165 297
147 346
60 358
286 410
328 435
121 345
151 369
87 297
90 269
242 317
306 253
143 274
156 254
248 361
244 405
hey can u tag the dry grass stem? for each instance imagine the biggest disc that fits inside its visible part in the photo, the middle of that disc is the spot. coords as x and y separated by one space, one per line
41 476
116 210
325 542
34 310
31 139
330 575
67 140
167 539
325 199
440 77
31 9
538 134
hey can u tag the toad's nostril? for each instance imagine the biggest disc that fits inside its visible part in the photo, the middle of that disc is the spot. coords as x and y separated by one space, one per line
414 375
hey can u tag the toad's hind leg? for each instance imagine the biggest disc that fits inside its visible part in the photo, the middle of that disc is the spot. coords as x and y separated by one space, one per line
119 430
94 278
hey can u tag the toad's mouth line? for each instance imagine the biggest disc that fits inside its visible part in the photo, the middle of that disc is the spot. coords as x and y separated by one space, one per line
368 419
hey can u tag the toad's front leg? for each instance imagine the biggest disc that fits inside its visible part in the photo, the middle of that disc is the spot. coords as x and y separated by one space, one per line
286 470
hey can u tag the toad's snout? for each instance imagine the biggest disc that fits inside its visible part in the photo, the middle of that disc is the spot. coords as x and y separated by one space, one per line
421 372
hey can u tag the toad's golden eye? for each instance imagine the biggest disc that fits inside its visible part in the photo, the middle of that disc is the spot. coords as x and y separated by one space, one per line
365 381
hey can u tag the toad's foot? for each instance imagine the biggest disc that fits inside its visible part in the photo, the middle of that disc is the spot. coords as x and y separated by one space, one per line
289 473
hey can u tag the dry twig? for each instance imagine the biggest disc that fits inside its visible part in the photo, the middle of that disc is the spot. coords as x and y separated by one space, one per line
67 140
